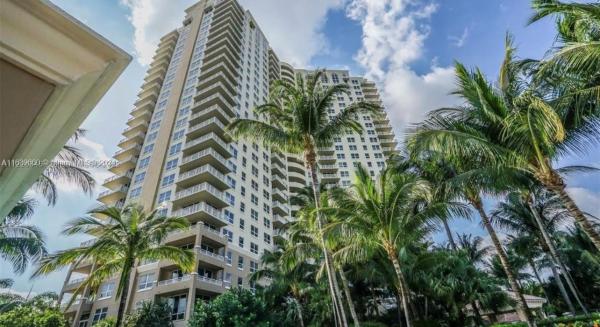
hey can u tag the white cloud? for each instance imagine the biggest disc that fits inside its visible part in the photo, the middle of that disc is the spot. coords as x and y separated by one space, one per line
459 41
587 200
394 32
151 19
292 27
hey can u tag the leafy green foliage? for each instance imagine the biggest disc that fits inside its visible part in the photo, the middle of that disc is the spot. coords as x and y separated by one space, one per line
151 314
39 311
237 308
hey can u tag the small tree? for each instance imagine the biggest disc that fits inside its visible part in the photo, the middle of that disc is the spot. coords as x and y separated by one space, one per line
238 308
151 314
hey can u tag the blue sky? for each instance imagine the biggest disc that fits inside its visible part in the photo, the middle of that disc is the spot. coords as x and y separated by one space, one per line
407 46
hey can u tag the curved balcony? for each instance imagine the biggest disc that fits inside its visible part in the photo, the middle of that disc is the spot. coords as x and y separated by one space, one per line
113 195
212 125
202 212
328 169
280 221
279 182
279 195
216 99
204 192
206 173
329 178
327 159
200 158
280 208
132 150
208 113
296 177
118 180
277 170
210 140
124 165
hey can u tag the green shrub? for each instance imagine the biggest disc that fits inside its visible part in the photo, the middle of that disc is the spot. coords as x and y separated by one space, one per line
29 316
574 321
108 322
151 314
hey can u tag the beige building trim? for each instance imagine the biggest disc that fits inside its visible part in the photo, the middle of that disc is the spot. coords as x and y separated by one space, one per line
80 65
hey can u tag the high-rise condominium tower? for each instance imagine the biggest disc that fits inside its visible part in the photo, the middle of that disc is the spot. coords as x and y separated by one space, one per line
176 156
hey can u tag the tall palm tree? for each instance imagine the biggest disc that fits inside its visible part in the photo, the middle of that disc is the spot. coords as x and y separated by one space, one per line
511 129
20 244
65 167
388 215
123 238
289 274
538 220
297 122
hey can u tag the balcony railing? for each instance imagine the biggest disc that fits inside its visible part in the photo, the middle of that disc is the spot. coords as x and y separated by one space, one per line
211 254
199 188
174 280
218 282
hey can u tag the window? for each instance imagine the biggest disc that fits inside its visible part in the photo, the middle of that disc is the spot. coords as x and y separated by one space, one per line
352 147
228 234
144 162
171 164
106 290
253 266
267 222
83 320
145 281
341 156
242 224
354 155
175 149
254 214
267 238
148 148
240 262
167 180
99 314
178 135
240 281
139 178
230 198
151 137
241 242
254 230
165 196
229 216
344 174
178 305
254 248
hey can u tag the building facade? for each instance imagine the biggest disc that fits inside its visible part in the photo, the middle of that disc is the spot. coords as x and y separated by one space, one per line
176 156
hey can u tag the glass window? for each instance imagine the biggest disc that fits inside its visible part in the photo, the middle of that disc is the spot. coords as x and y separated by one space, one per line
178 305
145 281
106 290
99 314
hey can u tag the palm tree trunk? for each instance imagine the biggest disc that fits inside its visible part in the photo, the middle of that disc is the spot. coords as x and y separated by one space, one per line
549 246
349 298
561 287
556 184
512 281
402 288
336 298
537 276
449 234
125 274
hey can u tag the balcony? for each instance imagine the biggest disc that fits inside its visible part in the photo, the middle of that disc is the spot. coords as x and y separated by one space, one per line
296 187
210 284
327 169
173 284
385 135
221 89
206 173
202 212
118 180
132 140
276 170
212 234
124 165
144 117
388 150
279 182
216 99
209 113
113 195
204 157
280 221
132 150
330 178
296 177
210 140
326 150
200 192
278 160
214 260
212 125
327 159
84 304
143 109
73 285
280 208
279 195
133 130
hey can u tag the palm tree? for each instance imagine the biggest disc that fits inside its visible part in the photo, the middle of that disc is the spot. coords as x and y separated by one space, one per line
306 227
537 220
123 238
289 275
297 122
20 244
388 215
66 167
